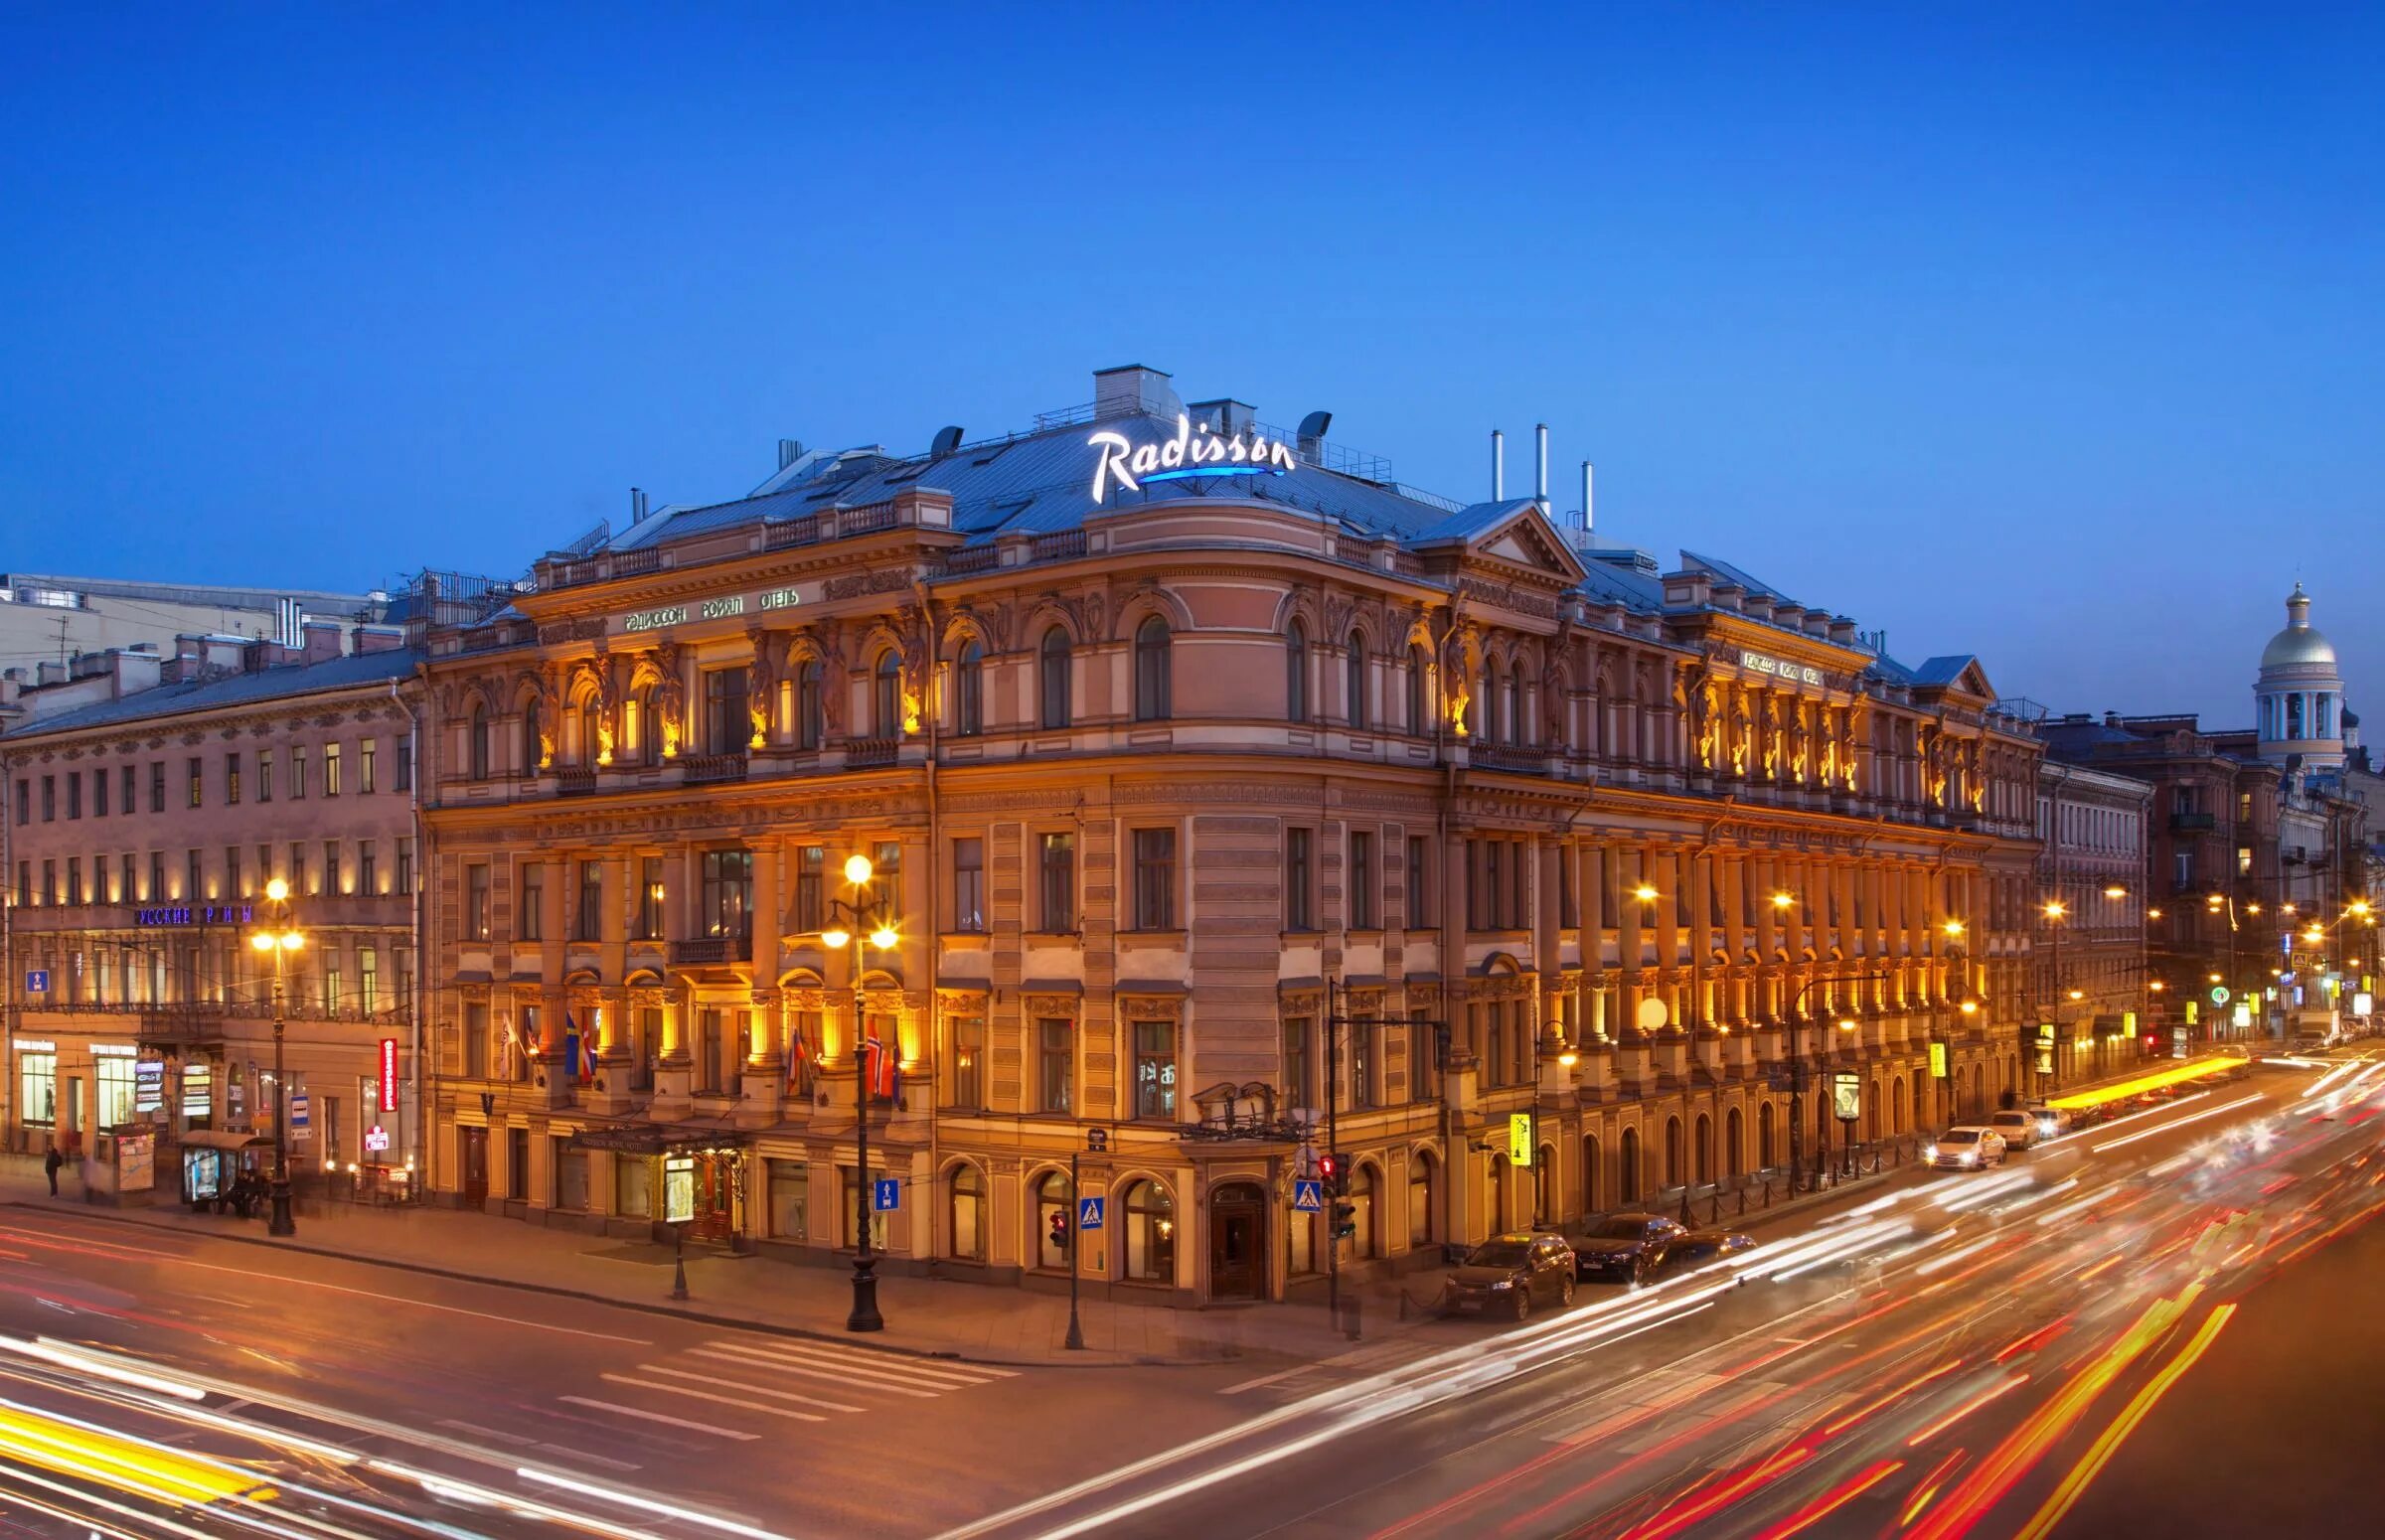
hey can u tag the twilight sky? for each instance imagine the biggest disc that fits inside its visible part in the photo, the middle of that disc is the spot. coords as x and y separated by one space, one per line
2048 335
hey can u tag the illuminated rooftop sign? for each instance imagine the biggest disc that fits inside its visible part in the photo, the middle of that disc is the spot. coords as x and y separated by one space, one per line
1195 451
1757 662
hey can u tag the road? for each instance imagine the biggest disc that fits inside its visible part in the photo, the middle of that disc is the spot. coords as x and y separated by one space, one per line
1947 1353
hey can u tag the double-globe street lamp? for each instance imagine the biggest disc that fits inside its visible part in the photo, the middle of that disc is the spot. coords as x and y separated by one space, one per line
847 921
280 937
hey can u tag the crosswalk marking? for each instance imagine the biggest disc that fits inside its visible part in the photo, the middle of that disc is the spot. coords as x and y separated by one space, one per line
1264 1379
881 1365
819 1372
705 1395
749 1389
657 1417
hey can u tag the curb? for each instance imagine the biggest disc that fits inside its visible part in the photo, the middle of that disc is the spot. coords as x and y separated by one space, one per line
705 1317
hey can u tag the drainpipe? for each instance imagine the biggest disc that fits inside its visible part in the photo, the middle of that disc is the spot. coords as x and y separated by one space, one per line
930 709
421 980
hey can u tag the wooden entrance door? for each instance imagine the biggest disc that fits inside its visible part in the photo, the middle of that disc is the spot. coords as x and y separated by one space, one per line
1238 1243
476 1166
715 1198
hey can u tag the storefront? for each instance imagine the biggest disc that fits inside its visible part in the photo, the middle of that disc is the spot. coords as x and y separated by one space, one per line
662 1178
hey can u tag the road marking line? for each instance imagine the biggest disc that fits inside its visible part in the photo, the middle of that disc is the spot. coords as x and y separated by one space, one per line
567 1452
829 1370
489 1433
751 1390
875 1363
1266 1379
705 1395
657 1417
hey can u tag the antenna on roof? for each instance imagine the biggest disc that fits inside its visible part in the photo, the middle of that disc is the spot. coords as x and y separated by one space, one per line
1499 466
946 441
1540 466
1587 525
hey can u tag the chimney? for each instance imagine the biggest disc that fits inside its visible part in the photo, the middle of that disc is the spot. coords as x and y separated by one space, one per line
637 503
1131 390
2111 718
790 450
321 641
1226 416
376 639
1499 466
1540 466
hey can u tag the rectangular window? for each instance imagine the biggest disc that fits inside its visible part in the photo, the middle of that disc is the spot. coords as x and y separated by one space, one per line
49 799
74 879
650 898
790 1198
49 882
331 769
1362 879
232 780
1154 1066
331 982
811 888
366 776
969 885
191 890
37 1090
591 901
2244 860
99 794
727 727
476 1039
1298 1089
298 868
113 1104
1424 1056
1055 1053
530 916
157 789
1057 875
476 901
298 772
968 1062
331 868
75 794
24 801
885 859
24 884
368 979
405 865
1362 1063
198 782
1299 911
124 790
1155 879
368 867
1418 917
231 873
405 781
727 894
157 877
264 775
264 863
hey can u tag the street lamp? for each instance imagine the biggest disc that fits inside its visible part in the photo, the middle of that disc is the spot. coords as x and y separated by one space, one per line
1797 1061
859 874
280 937
2055 909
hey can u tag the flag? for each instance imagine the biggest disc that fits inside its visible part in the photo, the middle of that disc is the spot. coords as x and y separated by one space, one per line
886 1077
588 1058
799 1059
572 1046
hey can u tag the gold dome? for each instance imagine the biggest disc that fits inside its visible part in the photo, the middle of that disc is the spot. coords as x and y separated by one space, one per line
2297 646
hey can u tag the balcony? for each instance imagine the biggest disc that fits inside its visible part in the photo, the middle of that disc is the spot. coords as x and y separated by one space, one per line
2193 822
1511 758
574 783
870 754
1059 545
700 951
704 769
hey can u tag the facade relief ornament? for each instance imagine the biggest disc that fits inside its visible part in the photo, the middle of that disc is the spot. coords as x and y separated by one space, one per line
671 699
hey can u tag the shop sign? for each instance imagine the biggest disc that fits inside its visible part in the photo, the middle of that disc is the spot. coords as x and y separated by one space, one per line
1846 1096
388 1074
114 1051
720 607
1793 673
1195 450
149 1085
1519 1137
1938 1061
195 914
35 1046
198 1098
377 1139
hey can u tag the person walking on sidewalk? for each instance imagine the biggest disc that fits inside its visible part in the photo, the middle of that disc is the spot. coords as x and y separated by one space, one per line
50 1163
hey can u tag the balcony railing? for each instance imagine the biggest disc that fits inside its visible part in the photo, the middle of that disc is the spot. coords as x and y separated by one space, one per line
574 783
1059 545
699 950
976 559
1511 756
804 531
2194 822
870 754
703 769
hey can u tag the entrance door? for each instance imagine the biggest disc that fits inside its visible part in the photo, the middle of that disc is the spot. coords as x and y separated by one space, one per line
715 1198
1238 1243
476 1166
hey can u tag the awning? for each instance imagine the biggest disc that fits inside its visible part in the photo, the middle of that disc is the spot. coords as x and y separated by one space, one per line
659 1137
223 1139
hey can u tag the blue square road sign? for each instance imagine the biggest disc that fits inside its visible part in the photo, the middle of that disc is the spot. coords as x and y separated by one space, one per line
1088 1213
885 1194
1308 1197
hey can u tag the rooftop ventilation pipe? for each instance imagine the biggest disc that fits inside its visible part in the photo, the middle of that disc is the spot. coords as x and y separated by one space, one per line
1499 466
1312 433
1540 467
790 450
1587 525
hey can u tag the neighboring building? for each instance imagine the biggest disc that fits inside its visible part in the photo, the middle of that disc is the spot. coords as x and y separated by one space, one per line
2259 834
1166 777
2090 984
46 619
146 813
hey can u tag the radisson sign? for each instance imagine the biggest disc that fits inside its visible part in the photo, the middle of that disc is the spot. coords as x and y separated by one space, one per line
721 608
1195 451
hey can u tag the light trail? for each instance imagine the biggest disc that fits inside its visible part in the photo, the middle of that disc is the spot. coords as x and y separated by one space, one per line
2175 1123
1992 1393
1832 1502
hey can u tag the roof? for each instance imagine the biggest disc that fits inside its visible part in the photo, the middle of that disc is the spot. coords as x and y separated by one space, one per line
299 678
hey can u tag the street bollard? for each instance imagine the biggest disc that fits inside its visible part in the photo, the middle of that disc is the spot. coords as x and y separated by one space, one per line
1743 1201
1715 1208
1686 1219
679 1263
1768 1189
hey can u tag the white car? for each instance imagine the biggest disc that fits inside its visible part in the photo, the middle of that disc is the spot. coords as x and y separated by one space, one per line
2019 1130
1967 1148
2053 1121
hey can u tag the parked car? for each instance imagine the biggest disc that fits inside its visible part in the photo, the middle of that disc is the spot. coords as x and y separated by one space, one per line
1625 1248
1970 1149
2018 1128
1513 1273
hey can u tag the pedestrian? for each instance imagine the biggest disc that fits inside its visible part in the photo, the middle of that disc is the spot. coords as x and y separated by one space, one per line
50 1163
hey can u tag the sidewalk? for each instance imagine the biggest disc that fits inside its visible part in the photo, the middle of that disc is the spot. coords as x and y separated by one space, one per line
977 1323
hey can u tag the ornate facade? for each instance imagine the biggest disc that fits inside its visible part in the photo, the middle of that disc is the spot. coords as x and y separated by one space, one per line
1176 799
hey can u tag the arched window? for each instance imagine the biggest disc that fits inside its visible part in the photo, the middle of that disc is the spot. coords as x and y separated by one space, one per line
1590 1173
810 705
533 751
476 743
969 680
1672 1152
1296 673
1626 1169
637 727
1053 682
1420 1200
965 1227
1354 685
1362 1198
885 695
585 752
1764 1136
1150 1233
1522 728
1154 685
1055 1220
1734 1143
1419 708
1511 707
1705 1149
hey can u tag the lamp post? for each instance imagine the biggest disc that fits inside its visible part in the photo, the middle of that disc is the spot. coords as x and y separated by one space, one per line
280 937
2055 909
1797 1068
859 874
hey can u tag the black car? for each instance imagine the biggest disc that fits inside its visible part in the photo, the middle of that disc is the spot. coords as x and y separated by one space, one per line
1696 1248
1626 1248
1513 1273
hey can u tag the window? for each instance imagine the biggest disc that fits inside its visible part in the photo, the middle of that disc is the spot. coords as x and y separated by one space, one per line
123 790
48 881
264 775
99 792
197 783
113 1106
1296 672
1154 1069
1153 685
366 777
530 918
476 743
532 753
298 772
1155 879
811 706
1418 917
885 694
1299 1089
810 885
74 879
298 868
790 1197
75 794
1424 1057
331 982
969 680
1362 881
847 1212
2244 860
886 862
158 790
405 865
1052 664
967 1035
24 801
1299 878
405 781
1149 1234
1055 1220
368 870
1354 680
192 892
1056 1063
969 885
476 901
727 725
50 798
368 978
37 1090
1361 1062
331 868
331 769
157 877
727 894
231 873
591 901
1056 875
24 884
650 898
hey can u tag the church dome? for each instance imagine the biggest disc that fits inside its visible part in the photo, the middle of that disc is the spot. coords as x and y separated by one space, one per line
2297 646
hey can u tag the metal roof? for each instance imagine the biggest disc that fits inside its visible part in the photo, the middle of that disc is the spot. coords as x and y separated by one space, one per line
297 678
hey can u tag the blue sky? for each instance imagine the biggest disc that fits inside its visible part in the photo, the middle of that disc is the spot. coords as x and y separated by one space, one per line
2052 336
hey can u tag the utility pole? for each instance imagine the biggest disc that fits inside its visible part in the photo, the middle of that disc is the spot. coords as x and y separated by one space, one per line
1333 1157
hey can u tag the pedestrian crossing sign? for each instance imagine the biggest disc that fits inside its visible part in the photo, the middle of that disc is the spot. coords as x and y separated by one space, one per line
1088 1213
1308 1197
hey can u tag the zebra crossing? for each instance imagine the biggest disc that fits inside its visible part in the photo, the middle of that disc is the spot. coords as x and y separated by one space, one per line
767 1382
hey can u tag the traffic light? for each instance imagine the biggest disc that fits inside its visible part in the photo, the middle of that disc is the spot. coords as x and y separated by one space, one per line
1330 1171
1345 1221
